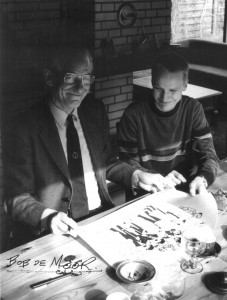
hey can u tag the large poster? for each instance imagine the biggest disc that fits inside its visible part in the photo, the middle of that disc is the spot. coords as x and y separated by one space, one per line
149 227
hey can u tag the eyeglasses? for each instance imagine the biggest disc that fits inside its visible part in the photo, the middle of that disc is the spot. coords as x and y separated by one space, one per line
73 78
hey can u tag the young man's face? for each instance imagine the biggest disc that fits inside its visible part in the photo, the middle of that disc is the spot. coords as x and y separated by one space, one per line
74 88
168 88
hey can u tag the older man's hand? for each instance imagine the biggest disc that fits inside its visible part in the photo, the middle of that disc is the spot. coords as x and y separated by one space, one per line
151 182
60 223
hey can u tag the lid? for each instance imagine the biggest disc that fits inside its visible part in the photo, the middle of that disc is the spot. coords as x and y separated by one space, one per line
118 296
216 282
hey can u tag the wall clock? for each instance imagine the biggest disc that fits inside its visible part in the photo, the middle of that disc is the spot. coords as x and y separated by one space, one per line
126 15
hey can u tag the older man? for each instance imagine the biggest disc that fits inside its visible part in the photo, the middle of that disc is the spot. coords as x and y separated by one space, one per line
57 154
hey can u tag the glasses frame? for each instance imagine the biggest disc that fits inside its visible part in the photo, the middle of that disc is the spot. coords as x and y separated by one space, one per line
81 77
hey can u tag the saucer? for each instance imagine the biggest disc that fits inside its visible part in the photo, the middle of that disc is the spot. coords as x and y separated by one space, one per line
135 271
216 282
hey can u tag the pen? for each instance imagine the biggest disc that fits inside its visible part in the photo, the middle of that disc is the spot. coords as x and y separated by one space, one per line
44 283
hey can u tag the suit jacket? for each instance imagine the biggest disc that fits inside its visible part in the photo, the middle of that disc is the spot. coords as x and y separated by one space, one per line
35 166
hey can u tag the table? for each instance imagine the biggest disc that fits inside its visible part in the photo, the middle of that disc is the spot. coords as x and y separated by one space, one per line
39 260
207 97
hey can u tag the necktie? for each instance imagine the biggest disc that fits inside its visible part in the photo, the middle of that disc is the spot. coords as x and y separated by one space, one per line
79 203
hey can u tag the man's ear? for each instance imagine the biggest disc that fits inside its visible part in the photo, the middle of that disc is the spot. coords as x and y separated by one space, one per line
185 85
185 81
48 77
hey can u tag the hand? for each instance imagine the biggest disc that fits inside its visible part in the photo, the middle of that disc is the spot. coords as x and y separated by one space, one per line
152 182
197 186
176 177
60 223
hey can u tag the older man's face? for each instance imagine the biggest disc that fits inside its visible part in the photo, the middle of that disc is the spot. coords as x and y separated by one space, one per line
75 85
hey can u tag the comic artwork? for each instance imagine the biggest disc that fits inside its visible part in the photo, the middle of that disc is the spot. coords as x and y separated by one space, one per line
148 229
144 229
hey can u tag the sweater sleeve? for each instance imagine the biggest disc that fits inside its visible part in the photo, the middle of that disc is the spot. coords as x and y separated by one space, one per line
203 147
128 139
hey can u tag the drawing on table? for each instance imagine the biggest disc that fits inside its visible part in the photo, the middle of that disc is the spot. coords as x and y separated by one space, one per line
161 239
148 227
192 211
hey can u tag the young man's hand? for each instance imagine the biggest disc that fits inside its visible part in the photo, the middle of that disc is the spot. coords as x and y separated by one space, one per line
198 186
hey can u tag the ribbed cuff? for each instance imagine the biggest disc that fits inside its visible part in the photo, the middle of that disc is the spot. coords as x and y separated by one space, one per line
208 176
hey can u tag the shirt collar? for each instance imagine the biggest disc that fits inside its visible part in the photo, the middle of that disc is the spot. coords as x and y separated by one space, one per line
60 116
75 114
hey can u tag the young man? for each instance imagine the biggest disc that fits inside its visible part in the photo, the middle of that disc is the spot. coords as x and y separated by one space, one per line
169 134
46 190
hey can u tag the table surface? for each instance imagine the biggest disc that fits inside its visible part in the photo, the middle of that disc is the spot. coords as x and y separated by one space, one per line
193 91
39 260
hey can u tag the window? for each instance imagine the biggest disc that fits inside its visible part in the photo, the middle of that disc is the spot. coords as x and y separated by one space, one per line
198 19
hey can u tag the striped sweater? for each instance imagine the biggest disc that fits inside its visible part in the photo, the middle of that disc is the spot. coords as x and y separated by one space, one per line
164 141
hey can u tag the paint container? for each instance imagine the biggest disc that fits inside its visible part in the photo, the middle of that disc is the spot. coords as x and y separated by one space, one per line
118 296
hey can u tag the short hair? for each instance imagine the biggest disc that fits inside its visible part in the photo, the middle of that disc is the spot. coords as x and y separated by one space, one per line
62 57
171 62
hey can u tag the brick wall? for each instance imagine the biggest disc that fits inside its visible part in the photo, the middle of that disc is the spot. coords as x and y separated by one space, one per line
116 91
28 26
155 16
116 94
28 20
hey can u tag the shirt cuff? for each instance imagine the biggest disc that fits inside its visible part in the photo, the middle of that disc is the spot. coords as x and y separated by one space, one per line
46 218
135 182
135 179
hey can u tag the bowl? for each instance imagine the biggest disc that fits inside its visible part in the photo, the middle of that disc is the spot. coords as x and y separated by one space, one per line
135 271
